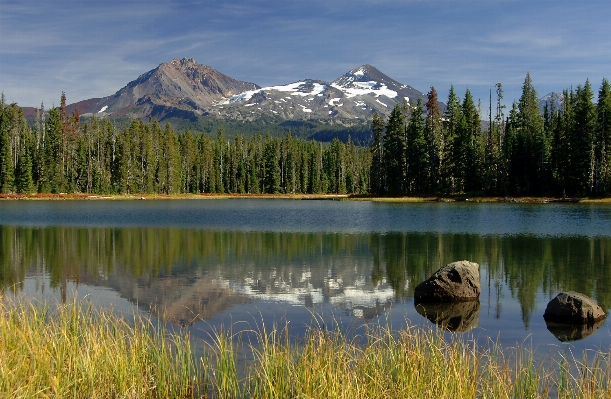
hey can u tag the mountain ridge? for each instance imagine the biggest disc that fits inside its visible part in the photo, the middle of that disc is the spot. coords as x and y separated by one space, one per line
185 89
185 92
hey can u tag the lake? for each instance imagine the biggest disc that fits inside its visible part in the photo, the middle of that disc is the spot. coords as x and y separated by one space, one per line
242 263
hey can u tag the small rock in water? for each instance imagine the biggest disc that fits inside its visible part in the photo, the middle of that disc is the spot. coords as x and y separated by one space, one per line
573 307
455 282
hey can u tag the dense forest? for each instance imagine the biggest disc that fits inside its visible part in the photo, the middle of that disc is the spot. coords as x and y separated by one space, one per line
60 154
563 151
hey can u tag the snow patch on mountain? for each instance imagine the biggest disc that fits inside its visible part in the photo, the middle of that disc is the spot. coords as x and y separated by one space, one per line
359 72
364 88
295 89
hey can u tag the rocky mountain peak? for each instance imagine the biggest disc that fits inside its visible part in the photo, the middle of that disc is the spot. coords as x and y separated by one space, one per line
183 84
183 88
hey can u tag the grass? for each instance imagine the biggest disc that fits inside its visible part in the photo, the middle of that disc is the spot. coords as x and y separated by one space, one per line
77 351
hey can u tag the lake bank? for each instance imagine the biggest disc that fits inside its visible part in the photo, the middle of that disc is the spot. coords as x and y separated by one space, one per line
336 197
77 350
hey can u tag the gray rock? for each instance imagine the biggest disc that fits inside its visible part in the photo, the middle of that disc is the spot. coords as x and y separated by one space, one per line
454 317
455 282
573 307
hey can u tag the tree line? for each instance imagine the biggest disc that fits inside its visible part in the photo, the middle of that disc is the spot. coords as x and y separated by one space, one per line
59 154
418 150
563 151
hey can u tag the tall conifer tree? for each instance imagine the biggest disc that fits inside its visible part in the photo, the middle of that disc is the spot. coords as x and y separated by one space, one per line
603 139
418 165
394 152
7 169
437 142
377 155
532 140
582 142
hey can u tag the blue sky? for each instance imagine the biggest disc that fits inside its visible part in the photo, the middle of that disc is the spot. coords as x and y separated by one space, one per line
94 48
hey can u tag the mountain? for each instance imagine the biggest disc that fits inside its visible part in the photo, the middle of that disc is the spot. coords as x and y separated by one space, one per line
556 98
358 94
180 88
185 90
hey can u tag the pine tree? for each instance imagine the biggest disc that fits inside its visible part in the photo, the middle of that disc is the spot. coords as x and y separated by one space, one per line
491 156
271 180
377 155
169 164
499 132
53 180
7 169
220 162
532 140
454 119
582 140
23 174
514 153
304 169
394 152
146 158
240 162
436 141
561 157
417 153
255 161
465 146
288 164
603 139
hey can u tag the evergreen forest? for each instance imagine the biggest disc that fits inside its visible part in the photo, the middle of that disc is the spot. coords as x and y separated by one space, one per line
418 150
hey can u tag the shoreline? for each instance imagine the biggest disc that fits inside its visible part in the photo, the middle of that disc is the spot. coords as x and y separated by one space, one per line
44 346
330 197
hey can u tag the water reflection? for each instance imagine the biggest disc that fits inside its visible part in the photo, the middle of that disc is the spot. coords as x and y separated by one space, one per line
186 275
572 332
455 317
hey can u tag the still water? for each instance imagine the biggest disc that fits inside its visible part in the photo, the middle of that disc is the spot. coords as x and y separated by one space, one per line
203 264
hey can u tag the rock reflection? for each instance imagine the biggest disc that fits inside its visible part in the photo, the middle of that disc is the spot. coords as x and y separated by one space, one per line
454 316
572 332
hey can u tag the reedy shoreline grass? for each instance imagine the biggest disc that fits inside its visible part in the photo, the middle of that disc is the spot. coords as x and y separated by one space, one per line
76 350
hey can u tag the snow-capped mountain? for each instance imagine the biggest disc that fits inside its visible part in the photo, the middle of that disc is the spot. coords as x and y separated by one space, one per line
367 79
185 89
358 94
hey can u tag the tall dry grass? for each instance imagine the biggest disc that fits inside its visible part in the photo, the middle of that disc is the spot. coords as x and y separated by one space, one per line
78 351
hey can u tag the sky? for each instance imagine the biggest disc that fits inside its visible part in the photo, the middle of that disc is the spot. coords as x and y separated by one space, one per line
94 48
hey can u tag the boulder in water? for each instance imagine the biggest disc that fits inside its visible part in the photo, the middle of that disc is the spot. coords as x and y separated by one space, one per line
573 308
455 282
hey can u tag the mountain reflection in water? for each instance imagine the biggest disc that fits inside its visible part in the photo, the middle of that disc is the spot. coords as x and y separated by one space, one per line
186 275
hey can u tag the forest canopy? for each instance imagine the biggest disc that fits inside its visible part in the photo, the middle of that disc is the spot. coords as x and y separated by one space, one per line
418 150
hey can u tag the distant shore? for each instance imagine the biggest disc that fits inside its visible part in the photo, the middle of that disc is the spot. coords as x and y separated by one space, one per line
334 197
